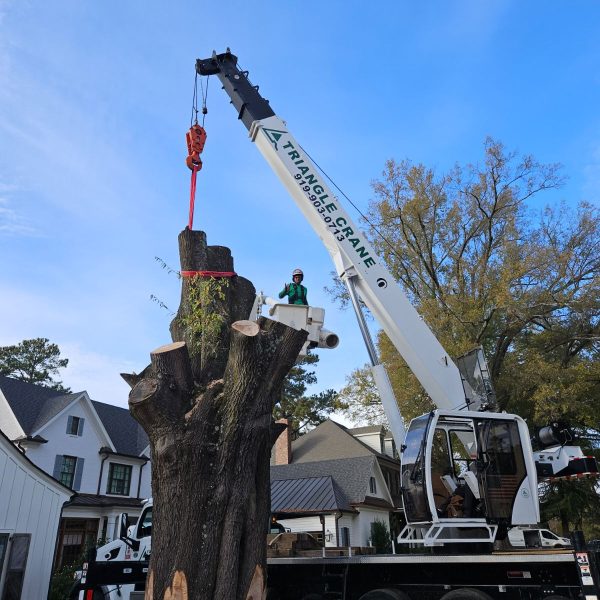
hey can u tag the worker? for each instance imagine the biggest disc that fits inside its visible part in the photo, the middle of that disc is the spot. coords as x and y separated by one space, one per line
295 291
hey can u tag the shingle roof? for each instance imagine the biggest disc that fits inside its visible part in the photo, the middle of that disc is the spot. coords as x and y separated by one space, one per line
125 432
34 405
350 475
329 441
27 400
52 407
367 429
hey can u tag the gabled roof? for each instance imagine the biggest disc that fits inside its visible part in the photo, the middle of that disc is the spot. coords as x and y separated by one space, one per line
28 401
330 440
306 495
125 432
35 405
368 429
51 408
350 475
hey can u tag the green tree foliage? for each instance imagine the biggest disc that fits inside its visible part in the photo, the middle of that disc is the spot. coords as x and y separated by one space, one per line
380 537
34 361
484 266
361 396
573 503
302 410
483 269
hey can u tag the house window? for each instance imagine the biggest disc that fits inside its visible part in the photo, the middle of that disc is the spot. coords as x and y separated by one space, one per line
372 485
67 470
17 561
3 546
75 425
119 479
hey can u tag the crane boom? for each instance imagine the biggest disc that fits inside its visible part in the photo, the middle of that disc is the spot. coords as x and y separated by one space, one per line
352 254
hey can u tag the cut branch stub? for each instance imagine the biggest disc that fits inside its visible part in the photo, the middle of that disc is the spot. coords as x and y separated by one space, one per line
248 328
163 396
173 359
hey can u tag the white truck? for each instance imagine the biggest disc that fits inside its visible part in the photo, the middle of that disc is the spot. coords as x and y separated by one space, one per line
483 456
532 537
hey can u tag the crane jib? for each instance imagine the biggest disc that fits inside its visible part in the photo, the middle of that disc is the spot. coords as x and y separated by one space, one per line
316 193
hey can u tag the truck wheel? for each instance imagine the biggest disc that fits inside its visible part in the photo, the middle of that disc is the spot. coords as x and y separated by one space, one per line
384 594
312 597
466 594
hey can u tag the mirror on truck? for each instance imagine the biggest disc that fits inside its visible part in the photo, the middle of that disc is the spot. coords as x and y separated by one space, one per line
125 531
123 524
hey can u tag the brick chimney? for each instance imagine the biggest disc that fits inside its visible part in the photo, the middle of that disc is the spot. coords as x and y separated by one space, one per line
283 445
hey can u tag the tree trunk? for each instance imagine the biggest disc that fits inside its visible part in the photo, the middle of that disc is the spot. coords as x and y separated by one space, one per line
208 415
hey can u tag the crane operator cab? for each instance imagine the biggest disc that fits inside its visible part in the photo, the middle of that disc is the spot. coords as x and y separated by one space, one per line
466 476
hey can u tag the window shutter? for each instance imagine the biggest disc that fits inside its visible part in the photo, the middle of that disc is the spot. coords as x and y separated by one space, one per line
80 428
57 466
78 474
69 424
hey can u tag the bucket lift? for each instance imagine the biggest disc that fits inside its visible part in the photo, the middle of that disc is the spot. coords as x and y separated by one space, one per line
298 316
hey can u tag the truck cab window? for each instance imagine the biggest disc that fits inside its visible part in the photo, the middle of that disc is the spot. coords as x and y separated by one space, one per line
145 526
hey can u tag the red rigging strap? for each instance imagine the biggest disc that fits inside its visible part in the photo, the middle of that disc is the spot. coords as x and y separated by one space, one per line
195 138
192 197
208 273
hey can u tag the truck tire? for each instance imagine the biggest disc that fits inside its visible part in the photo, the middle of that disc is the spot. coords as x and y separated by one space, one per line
384 594
466 594
312 597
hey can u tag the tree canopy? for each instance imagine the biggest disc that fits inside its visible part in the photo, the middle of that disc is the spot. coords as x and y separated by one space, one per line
305 410
484 268
34 361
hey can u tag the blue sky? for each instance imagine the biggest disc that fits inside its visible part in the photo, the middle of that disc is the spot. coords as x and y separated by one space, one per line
95 99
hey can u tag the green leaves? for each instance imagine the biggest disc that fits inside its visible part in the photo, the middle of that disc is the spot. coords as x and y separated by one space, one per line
34 361
204 321
301 409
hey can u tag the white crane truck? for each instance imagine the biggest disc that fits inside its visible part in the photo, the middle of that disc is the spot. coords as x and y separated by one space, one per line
484 456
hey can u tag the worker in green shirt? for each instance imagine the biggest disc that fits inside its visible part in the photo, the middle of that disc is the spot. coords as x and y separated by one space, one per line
295 291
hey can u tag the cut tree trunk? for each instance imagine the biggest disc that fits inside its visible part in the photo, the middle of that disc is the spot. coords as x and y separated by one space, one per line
208 415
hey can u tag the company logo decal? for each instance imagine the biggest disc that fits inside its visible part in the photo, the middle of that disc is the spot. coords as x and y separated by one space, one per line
274 135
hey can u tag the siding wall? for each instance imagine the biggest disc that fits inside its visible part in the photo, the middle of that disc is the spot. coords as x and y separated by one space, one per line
365 518
30 503
303 524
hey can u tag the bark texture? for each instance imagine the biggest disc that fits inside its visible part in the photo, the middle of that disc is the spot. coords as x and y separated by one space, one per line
208 414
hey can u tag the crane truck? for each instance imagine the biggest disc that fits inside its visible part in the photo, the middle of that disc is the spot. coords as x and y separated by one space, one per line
461 448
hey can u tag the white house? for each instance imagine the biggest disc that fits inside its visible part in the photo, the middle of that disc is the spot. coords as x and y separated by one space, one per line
335 482
96 449
30 507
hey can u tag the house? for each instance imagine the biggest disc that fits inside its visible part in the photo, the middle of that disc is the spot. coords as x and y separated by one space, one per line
335 482
30 507
95 449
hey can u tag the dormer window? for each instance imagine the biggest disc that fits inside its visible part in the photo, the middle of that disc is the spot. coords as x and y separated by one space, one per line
75 426
372 485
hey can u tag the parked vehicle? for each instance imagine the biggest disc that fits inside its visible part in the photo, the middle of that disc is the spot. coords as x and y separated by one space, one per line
531 537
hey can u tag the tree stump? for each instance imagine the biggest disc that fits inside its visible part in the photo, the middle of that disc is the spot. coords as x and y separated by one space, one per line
208 415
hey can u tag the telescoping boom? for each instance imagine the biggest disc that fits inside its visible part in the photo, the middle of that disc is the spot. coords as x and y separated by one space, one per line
355 260
456 456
